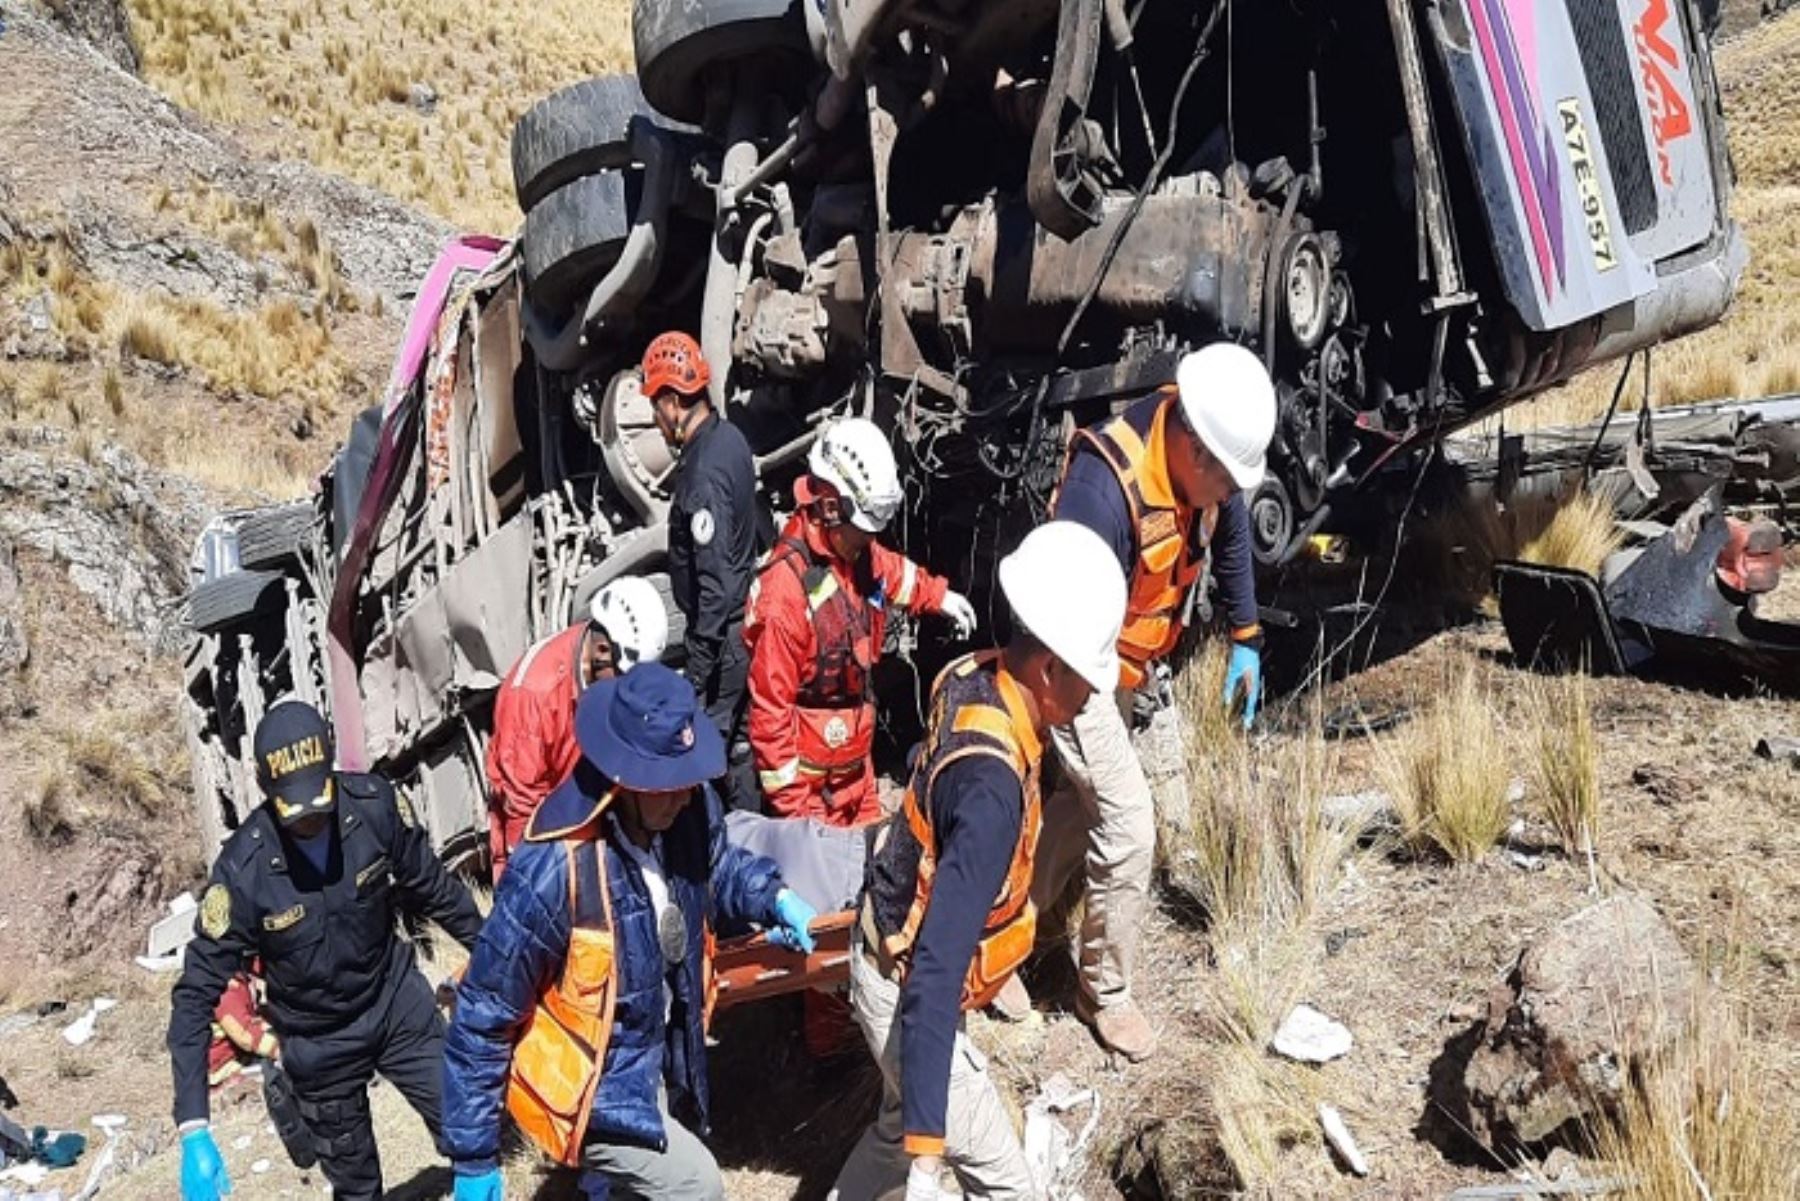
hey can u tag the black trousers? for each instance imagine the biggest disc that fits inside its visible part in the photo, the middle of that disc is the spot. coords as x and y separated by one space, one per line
727 708
404 1042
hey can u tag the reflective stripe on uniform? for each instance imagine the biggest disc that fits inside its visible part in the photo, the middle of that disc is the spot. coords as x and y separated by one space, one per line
824 591
909 580
780 777
518 675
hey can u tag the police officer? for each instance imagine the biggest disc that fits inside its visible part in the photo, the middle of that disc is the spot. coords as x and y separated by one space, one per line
714 539
311 883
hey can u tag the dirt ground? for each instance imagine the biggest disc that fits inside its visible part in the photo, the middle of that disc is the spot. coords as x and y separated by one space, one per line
1403 953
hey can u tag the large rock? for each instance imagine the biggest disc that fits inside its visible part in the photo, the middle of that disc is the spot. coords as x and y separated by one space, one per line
1597 994
120 529
102 23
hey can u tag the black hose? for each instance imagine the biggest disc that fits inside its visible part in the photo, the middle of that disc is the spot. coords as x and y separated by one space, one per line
1587 464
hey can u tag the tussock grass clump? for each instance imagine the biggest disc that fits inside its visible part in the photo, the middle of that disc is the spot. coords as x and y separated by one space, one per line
1568 760
49 818
1263 1107
1448 773
107 766
1580 534
338 83
1705 1120
1459 547
1260 859
1264 852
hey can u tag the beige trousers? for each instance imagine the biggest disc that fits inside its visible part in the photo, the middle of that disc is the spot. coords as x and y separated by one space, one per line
980 1145
1102 813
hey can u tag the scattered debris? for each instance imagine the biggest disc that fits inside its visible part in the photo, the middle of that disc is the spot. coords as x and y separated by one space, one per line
1524 862
1338 1135
423 97
260 1166
28 1174
1309 1036
1584 1004
1358 721
1780 748
80 1031
241 1143
162 965
173 932
1057 1160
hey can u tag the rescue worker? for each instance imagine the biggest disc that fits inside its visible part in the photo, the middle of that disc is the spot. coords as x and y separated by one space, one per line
715 535
584 1003
311 884
1162 484
534 746
947 917
817 616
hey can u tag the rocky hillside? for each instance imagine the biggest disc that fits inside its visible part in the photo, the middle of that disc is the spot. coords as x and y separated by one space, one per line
183 327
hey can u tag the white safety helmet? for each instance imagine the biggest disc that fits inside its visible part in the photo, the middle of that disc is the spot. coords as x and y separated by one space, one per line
1228 401
629 610
853 456
1065 585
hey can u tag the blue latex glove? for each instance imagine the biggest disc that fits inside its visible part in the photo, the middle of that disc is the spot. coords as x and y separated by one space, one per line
1245 672
482 1187
203 1175
795 916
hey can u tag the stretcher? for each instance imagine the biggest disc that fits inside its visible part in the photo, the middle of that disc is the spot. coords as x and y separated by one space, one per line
751 968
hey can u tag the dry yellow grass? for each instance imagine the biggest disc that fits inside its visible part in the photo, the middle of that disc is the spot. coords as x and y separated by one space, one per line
337 78
1449 771
1704 1121
1568 759
1261 859
1462 545
279 351
1580 534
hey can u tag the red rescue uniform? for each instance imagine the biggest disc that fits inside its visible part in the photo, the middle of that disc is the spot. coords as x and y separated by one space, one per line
815 625
533 748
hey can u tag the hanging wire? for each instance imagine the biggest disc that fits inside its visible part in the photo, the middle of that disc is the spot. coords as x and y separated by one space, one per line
1587 464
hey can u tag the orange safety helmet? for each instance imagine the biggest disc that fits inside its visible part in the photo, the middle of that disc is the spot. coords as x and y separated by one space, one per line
673 361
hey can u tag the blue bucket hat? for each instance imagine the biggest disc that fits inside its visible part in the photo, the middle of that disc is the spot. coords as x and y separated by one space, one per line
645 731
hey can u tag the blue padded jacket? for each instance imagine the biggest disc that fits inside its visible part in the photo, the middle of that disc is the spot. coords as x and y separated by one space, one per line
526 938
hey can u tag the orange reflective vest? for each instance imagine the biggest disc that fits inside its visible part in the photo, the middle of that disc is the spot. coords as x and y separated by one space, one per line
556 1064
976 709
1171 551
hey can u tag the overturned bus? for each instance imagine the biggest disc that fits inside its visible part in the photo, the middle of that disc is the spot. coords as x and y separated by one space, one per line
982 224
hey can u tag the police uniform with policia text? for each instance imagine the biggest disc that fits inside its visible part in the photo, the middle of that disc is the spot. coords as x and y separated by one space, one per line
312 883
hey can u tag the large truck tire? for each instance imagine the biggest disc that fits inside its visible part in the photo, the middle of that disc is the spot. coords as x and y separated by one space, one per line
232 598
272 538
573 235
574 133
680 43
